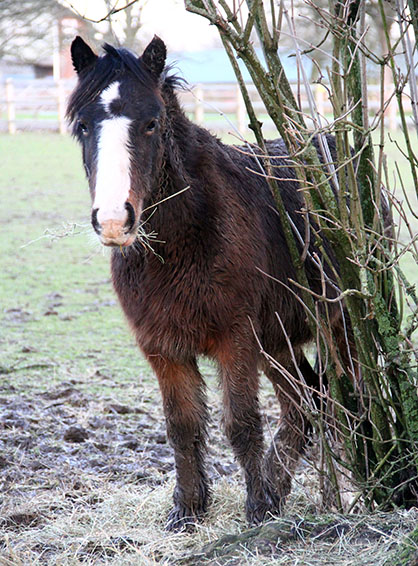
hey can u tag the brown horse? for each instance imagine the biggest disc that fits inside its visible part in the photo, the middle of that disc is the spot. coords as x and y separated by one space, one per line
204 290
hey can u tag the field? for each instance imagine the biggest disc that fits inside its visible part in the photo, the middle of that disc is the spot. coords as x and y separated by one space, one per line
86 473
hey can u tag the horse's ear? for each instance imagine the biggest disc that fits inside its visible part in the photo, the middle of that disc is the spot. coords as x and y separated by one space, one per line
154 56
82 55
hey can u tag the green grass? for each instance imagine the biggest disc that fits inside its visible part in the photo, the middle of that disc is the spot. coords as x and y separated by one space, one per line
56 295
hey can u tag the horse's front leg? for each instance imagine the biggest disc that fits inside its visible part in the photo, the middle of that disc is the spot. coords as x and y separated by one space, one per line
183 393
244 429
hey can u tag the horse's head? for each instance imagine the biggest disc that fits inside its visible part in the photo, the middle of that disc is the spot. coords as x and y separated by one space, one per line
117 113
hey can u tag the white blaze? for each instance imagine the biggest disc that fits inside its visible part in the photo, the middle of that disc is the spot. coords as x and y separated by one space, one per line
113 169
113 161
110 94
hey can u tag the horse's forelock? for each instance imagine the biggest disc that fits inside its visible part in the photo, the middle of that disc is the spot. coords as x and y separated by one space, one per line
108 69
129 61
92 83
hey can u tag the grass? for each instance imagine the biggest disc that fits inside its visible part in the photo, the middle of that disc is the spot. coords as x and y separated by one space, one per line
60 289
68 360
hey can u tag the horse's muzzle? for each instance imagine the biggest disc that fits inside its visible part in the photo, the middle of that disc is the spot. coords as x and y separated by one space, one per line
115 232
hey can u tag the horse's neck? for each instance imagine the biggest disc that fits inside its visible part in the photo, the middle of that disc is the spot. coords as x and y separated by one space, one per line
182 194
187 147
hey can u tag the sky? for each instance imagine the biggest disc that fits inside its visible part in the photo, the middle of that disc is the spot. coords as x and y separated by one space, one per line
180 30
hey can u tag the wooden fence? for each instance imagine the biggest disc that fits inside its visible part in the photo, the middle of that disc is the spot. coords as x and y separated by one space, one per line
40 105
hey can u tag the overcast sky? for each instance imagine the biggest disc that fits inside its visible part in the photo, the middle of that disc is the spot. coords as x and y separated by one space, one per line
167 18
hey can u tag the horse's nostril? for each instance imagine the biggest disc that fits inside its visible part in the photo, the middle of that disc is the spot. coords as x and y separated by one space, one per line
129 224
94 221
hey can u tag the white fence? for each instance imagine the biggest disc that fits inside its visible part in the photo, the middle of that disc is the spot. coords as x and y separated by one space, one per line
33 105
40 105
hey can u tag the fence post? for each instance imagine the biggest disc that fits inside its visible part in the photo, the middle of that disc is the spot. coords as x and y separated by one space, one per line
391 110
240 111
11 109
61 107
320 96
199 112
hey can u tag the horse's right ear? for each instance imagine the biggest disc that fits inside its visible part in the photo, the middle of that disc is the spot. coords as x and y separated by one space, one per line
82 55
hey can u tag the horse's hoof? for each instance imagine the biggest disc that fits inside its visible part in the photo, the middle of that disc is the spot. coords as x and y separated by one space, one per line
181 519
256 513
259 509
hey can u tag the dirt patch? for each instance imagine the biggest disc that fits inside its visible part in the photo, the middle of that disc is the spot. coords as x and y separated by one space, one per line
107 549
16 521
64 432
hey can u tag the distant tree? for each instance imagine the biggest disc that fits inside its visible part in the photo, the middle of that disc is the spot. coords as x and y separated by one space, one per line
27 28
125 25
117 22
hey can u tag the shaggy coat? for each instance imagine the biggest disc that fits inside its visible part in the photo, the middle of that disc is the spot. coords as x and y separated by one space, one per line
217 282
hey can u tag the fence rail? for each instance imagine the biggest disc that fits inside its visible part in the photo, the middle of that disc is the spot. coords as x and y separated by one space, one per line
40 105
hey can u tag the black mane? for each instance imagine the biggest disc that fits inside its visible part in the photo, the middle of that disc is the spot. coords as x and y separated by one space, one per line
123 59
107 69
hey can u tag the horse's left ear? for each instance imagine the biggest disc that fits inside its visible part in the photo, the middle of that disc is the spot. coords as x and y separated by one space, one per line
154 56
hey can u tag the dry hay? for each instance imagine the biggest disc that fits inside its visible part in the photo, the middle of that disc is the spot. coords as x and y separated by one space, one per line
115 526
88 480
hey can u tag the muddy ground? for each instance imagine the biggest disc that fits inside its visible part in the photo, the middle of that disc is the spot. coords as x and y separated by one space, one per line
65 454
57 434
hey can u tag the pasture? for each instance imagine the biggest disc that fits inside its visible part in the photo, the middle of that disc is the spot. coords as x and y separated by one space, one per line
86 474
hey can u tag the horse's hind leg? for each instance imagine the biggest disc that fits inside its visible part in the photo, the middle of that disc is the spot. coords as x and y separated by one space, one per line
243 426
183 394
290 439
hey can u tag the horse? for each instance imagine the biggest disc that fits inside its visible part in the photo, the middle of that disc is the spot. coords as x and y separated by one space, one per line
214 281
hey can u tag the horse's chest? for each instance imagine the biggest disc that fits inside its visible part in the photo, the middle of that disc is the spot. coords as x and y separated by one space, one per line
169 306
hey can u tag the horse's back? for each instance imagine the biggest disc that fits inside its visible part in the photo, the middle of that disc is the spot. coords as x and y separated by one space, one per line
268 258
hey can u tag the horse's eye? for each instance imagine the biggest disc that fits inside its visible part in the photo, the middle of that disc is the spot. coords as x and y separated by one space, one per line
151 126
82 126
